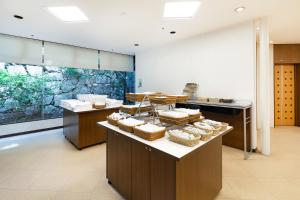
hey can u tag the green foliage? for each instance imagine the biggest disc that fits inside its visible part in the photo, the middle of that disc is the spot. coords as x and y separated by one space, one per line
26 90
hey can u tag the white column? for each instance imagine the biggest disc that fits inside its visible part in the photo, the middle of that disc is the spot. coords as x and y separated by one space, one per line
265 86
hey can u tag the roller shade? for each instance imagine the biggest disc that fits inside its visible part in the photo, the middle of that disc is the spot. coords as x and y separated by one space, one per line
20 50
115 61
70 56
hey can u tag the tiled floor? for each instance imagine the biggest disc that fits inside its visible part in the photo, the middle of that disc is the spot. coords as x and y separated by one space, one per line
45 166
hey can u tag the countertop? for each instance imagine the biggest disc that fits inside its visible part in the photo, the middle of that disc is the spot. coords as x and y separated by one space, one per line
91 110
164 144
238 104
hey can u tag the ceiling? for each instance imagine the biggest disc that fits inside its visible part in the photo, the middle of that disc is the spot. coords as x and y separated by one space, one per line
116 25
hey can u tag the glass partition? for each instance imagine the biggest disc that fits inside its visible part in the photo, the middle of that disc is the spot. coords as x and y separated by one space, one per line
29 93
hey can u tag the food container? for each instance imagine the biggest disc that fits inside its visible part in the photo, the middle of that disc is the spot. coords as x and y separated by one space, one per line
187 142
149 135
162 100
207 128
123 125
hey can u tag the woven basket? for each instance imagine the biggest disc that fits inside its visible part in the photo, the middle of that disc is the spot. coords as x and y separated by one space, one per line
175 121
112 121
179 98
203 137
99 106
125 127
194 118
163 101
190 142
134 110
215 131
134 97
223 127
148 135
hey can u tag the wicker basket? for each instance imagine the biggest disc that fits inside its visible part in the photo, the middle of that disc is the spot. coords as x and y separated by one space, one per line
162 100
134 97
134 110
112 121
223 127
194 118
207 136
179 98
126 127
175 121
148 135
139 97
99 106
186 142
215 131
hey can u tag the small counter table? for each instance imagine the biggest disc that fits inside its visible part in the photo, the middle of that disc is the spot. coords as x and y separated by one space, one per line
161 169
81 128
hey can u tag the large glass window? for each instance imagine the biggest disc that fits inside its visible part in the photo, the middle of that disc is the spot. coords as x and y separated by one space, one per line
29 92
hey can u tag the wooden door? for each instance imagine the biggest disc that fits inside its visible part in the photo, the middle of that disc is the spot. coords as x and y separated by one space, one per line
284 87
297 95
163 176
111 157
124 166
140 172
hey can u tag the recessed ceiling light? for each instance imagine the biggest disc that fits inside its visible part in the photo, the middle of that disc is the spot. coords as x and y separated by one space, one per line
68 13
240 9
181 9
18 17
172 32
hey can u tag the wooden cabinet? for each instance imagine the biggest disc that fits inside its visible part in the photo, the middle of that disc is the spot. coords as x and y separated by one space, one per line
118 166
153 172
141 168
81 128
140 172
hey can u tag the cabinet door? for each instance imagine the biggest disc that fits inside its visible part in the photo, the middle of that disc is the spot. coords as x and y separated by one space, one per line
111 157
163 175
124 166
140 172
100 131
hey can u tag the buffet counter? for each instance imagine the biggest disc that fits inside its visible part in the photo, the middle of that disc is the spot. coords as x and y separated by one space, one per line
161 169
237 114
80 127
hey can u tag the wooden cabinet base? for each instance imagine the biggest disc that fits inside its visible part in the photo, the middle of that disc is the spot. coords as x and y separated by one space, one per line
139 172
81 128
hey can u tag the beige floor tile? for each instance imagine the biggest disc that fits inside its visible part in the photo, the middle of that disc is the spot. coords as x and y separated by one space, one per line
47 167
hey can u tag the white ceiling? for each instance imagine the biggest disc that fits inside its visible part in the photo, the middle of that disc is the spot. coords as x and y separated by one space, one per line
118 24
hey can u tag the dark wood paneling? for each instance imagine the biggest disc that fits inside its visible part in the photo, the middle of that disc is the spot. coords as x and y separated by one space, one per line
124 166
81 128
140 172
70 122
286 53
163 173
111 157
199 174
297 95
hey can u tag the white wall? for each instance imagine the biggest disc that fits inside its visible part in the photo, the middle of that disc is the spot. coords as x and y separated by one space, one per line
220 62
223 63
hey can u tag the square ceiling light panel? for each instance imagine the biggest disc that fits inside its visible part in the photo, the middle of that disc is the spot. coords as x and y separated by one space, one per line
68 13
181 9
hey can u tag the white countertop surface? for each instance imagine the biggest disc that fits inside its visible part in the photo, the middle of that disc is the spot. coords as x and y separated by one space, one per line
164 144
240 104
89 110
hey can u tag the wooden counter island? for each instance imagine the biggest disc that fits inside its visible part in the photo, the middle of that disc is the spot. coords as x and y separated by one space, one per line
81 129
163 170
